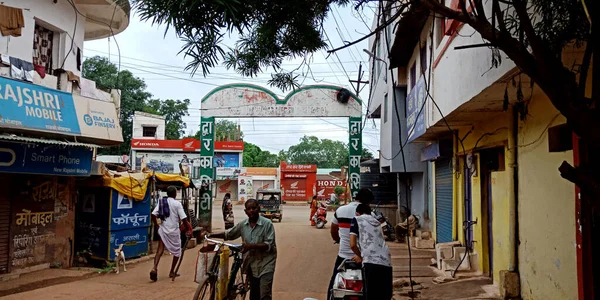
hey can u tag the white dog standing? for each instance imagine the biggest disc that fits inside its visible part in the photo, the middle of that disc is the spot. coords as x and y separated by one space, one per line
120 258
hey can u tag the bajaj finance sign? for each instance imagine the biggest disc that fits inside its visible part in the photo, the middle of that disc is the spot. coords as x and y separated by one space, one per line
34 107
246 100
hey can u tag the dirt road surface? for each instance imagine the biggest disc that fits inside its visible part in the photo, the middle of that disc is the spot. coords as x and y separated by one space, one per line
304 264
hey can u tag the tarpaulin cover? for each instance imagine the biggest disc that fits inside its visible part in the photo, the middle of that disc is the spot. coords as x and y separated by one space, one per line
130 184
174 178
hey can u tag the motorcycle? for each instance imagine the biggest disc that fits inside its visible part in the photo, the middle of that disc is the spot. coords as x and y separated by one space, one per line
348 283
388 229
320 217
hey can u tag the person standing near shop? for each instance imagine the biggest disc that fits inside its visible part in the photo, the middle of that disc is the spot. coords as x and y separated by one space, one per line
227 211
314 205
167 215
368 244
340 230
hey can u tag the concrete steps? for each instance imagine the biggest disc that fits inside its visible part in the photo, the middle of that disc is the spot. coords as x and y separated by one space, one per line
451 257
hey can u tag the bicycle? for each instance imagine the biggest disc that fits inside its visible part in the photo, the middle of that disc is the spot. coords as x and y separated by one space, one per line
237 288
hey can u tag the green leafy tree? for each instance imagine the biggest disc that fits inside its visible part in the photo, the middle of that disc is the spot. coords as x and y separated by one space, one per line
324 153
173 111
532 33
256 157
269 31
133 95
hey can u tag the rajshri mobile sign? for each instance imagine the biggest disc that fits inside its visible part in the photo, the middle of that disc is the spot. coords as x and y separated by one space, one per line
31 106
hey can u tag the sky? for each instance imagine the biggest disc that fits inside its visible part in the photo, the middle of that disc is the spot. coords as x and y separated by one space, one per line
152 55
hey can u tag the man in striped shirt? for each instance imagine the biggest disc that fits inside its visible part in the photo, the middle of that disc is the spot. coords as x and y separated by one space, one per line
340 229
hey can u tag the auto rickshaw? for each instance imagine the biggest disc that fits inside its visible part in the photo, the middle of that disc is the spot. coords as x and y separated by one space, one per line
269 201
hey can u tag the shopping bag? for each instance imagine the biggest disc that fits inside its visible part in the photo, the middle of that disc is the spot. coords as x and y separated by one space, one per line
203 262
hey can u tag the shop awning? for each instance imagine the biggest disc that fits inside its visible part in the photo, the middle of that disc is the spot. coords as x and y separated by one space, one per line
12 137
130 184
173 179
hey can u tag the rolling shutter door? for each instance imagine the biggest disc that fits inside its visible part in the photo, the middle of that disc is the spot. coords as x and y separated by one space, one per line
4 233
443 200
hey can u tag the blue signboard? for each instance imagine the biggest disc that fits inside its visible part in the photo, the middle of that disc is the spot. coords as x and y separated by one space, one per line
135 242
226 160
127 213
26 105
45 159
415 120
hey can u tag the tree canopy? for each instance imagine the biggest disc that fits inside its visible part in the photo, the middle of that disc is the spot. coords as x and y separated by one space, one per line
532 33
325 153
173 111
134 97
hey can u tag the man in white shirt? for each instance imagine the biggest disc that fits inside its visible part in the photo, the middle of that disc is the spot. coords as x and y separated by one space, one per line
169 215
340 229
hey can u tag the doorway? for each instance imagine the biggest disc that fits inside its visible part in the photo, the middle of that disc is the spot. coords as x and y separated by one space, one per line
491 160
4 232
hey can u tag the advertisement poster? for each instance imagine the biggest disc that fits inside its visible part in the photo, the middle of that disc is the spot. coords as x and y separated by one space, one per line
295 188
327 187
226 160
167 163
245 190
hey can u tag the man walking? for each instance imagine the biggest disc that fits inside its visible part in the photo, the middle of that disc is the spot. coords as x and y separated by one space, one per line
340 230
258 237
167 215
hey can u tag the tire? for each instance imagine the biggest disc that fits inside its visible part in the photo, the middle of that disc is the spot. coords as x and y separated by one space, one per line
206 286
320 224
165 170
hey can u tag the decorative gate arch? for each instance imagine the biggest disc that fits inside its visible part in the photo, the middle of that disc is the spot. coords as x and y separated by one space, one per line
247 100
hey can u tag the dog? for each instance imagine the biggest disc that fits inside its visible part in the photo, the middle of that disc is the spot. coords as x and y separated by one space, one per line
120 258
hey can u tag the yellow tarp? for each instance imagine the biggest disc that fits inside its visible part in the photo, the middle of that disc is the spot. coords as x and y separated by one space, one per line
131 184
173 178
136 184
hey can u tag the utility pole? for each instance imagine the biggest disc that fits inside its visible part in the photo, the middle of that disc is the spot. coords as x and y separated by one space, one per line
359 81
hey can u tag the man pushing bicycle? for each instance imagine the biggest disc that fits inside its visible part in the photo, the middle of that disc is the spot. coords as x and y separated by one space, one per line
259 248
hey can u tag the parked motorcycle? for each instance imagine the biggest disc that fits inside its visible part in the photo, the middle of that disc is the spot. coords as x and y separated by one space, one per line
320 217
388 229
348 283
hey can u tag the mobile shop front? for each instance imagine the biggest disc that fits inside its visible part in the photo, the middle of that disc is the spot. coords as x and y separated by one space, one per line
37 200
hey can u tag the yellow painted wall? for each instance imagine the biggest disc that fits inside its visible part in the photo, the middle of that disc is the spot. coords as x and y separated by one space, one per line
500 223
490 134
547 255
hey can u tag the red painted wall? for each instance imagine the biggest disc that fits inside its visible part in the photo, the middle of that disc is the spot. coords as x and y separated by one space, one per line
298 182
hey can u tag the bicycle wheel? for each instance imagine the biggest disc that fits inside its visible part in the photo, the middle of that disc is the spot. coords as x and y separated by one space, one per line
206 290
242 287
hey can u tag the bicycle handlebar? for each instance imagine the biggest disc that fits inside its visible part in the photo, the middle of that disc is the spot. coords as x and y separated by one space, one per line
222 242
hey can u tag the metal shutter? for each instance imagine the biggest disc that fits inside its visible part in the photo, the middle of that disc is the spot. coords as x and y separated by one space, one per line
4 233
443 200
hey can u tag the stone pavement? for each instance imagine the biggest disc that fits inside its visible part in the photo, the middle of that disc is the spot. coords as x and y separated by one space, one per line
423 274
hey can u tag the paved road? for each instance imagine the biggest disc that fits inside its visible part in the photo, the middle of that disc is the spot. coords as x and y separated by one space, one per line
304 264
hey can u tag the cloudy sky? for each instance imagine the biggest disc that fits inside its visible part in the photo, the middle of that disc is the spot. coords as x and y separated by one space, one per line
148 53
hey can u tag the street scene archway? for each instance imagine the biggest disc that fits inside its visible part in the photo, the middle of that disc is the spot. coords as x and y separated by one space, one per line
246 100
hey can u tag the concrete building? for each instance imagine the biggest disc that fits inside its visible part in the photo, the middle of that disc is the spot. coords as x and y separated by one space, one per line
148 126
490 169
388 102
52 121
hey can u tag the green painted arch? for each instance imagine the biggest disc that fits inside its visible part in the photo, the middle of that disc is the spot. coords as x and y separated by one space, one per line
242 86
320 86
273 95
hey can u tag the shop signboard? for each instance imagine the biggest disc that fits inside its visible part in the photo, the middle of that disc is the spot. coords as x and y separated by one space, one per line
45 159
355 152
245 188
167 162
127 213
205 163
38 108
295 188
415 120
226 160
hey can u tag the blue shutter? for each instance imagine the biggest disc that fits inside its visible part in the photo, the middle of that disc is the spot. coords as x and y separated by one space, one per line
443 200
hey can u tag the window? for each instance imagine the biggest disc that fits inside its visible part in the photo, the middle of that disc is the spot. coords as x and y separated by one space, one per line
378 55
423 55
148 131
413 75
43 48
385 108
